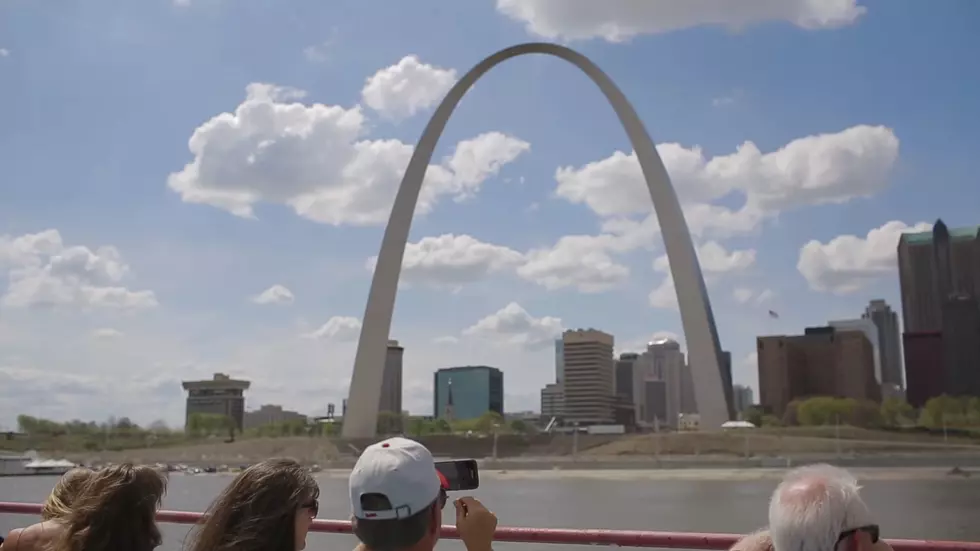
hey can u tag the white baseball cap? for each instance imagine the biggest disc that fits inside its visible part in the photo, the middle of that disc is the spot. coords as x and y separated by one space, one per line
400 470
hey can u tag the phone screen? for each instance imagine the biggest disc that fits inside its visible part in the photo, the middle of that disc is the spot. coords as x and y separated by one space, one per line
461 474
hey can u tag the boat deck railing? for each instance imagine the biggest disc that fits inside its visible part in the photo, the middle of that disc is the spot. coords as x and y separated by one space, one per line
620 538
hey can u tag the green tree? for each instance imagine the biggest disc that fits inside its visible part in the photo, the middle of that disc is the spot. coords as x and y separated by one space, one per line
488 422
389 422
441 426
519 426
754 414
942 411
896 412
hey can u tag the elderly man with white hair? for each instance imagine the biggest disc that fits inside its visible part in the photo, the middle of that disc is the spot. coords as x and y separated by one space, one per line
819 508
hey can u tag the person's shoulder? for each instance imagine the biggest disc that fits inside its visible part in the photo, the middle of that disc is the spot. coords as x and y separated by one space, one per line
35 536
10 543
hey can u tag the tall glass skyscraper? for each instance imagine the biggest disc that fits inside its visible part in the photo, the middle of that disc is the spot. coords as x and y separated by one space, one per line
477 389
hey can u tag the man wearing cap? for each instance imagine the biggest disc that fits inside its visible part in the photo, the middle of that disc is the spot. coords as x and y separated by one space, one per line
397 497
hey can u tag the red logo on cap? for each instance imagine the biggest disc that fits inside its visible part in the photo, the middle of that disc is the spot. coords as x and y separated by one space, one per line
443 481
386 445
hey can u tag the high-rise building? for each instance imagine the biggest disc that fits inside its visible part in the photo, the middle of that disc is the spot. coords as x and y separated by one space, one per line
743 398
220 395
924 370
888 342
271 414
961 345
932 265
391 382
663 361
624 375
559 361
870 329
552 401
822 362
940 278
588 376
476 389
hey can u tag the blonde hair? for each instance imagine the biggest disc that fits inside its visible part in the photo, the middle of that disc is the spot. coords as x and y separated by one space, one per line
58 504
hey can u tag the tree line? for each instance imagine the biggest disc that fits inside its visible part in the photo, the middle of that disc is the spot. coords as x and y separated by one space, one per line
939 413
123 433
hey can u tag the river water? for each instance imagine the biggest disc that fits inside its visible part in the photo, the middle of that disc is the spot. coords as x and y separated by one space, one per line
937 508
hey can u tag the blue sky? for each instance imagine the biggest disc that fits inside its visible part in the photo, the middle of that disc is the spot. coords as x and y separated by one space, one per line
155 266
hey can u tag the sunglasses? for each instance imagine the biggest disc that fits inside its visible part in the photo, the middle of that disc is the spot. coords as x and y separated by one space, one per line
872 530
443 498
313 506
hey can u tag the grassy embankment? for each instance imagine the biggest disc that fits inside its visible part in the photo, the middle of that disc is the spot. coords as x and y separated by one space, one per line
321 450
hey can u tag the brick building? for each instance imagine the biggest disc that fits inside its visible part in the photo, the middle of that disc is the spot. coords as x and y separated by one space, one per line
823 361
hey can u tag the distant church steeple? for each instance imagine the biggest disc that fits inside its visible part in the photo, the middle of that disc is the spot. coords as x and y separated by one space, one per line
449 413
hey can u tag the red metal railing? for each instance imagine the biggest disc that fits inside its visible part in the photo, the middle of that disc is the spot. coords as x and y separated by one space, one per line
622 538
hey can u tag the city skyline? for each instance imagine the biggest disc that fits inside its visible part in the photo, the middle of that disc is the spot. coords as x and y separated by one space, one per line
223 213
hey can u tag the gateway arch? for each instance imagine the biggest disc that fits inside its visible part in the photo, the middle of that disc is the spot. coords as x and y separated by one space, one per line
704 352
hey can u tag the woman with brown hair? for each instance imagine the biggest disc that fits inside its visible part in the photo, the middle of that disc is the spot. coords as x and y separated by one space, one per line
115 512
268 507
55 512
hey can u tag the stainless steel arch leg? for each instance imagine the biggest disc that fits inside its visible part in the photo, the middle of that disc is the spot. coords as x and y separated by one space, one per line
704 352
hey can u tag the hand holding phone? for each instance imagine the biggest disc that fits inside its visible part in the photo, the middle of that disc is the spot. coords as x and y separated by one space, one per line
475 523
461 474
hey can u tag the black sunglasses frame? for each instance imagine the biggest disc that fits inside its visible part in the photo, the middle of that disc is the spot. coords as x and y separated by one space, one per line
313 506
872 530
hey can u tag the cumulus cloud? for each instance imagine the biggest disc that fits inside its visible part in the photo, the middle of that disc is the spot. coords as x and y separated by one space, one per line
715 262
42 271
107 333
313 159
813 170
620 20
407 87
513 325
714 259
453 260
337 328
848 263
277 294
577 261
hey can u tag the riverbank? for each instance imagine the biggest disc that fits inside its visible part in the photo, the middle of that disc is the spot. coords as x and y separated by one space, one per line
490 475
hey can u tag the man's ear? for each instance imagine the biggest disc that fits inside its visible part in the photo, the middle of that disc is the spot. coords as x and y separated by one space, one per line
436 525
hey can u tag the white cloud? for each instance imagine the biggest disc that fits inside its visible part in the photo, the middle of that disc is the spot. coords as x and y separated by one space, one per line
107 333
453 260
664 295
277 294
745 295
714 259
42 271
513 325
847 263
620 20
578 261
4 52
312 158
820 169
407 87
337 328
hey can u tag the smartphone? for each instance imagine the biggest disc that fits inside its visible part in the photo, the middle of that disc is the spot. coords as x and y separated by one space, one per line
461 474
